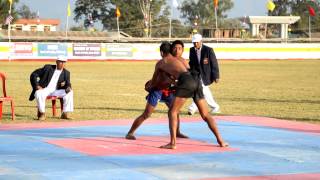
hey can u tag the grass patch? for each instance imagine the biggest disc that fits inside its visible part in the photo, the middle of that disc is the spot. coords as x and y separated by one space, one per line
114 90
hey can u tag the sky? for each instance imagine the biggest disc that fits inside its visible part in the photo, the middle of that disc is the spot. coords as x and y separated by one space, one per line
57 9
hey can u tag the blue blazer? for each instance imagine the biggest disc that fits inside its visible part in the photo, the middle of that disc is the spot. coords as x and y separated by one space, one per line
208 68
42 76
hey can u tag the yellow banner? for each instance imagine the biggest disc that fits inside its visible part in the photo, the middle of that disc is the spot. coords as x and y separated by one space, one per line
69 9
118 14
270 5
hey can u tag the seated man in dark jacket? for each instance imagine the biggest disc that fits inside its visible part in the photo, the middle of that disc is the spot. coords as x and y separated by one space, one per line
52 80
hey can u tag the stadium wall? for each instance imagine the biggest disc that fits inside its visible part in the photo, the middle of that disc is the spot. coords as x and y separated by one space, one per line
150 51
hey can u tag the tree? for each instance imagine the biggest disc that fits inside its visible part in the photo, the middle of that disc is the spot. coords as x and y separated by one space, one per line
131 21
91 11
145 7
201 13
282 8
77 28
4 11
298 8
25 12
160 26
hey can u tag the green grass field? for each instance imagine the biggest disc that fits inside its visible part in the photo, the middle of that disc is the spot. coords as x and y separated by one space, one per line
115 90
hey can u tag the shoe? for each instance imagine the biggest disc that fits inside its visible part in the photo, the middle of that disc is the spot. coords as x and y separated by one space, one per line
41 116
216 110
64 115
190 112
38 114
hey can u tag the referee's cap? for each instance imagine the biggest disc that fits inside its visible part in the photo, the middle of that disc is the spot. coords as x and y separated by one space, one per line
196 38
62 58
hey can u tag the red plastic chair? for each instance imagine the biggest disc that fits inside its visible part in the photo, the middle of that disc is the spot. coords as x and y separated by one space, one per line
5 97
54 108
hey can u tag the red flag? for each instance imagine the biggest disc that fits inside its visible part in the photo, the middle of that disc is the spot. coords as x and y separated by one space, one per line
311 11
215 3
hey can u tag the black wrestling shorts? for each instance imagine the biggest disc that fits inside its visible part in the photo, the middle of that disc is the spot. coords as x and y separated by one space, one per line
189 86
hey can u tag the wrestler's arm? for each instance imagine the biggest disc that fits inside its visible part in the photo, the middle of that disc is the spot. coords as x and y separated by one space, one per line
185 62
155 75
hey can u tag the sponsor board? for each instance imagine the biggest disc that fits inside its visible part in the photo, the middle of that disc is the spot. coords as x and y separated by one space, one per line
119 50
86 49
22 49
52 49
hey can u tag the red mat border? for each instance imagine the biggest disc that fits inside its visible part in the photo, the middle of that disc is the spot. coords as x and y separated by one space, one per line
252 120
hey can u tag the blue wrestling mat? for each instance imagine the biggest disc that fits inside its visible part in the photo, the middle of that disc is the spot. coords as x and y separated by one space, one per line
260 148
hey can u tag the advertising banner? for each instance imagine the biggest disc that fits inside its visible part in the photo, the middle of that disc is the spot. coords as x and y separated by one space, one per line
86 49
52 49
119 50
22 49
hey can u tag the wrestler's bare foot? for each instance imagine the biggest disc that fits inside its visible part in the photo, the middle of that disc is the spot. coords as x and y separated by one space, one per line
180 135
169 146
223 144
130 137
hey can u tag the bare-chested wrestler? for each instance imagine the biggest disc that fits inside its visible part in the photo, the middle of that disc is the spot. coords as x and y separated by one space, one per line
158 95
187 86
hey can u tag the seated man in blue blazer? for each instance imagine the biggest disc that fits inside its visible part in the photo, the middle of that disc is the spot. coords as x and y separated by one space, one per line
52 80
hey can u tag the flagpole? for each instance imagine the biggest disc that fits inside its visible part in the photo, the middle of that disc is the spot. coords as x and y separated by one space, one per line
67 26
118 14
266 25
215 4
9 25
174 4
9 32
170 19
170 29
216 15
309 28
68 14
118 28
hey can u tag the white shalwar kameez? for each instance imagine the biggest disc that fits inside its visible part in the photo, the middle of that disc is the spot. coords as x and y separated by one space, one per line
207 94
51 90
